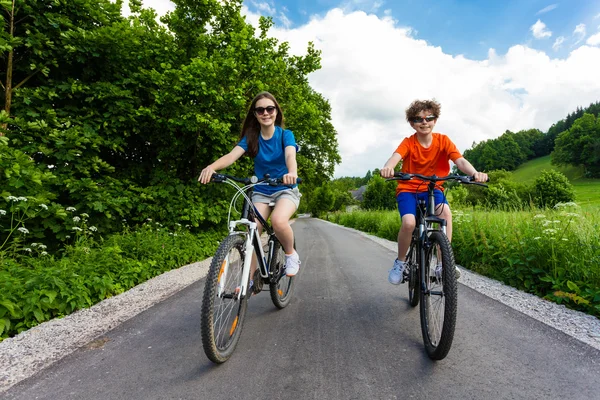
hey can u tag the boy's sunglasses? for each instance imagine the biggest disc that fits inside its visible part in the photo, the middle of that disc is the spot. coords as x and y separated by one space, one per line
417 120
261 110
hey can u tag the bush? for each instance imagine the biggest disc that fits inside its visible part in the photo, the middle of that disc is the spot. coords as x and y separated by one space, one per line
551 188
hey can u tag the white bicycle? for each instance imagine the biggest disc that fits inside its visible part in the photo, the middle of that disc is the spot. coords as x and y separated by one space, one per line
226 290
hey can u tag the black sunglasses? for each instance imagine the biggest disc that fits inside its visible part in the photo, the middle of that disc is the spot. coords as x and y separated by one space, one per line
417 120
261 110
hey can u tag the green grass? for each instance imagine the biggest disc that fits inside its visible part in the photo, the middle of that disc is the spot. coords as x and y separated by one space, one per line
586 190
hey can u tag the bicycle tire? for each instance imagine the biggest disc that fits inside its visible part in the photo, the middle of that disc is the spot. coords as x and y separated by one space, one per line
283 287
439 300
414 289
222 317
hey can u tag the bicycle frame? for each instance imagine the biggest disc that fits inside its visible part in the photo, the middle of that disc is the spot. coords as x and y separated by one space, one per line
253 242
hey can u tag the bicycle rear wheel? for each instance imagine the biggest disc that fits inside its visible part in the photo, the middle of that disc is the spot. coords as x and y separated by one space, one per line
439 300
281 286
414 289
223 311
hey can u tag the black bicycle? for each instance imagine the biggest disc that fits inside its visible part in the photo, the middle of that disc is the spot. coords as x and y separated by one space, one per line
431 270
226 290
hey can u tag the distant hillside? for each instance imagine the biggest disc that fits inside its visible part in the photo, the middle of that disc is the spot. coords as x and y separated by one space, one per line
586 190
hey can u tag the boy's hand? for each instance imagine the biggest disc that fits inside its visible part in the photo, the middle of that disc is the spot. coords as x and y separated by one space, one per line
386 172
480 177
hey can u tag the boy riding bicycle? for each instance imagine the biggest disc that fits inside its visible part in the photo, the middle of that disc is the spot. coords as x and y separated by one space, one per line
426 153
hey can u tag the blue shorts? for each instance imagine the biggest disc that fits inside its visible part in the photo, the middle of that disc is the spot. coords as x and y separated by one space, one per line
407 201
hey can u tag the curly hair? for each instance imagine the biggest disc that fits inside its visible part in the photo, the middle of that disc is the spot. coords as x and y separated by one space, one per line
423 105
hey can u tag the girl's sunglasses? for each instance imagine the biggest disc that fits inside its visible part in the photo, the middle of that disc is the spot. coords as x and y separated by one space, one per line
261 110
417 120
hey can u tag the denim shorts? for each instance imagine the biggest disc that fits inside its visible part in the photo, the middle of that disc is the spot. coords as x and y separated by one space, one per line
407 201
292 194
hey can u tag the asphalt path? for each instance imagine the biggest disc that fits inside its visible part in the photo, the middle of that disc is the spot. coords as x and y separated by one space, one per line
347 334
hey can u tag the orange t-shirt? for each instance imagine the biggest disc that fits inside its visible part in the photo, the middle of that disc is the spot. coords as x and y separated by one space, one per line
433 160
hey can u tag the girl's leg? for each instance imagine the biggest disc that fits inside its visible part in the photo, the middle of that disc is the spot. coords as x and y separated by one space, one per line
280 219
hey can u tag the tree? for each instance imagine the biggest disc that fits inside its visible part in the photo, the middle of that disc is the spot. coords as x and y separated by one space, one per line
380 194
322 200
580 145
552 187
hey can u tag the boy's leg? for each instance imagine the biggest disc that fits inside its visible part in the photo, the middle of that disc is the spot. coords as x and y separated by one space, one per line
407 206
442 208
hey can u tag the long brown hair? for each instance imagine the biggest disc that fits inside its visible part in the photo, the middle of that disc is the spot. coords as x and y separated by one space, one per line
251 127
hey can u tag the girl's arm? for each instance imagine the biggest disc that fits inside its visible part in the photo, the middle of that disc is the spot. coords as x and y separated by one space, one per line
221 163
292 166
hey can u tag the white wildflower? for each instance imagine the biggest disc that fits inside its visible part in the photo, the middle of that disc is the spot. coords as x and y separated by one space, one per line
71 209
565 239
42 246
22 198
68 237
45 207
93 228
27 249
77 229
149 219
34 244
571 214
85 215
23 230
76 219
44 253
540 216
11 198
537 238
2 212
550 231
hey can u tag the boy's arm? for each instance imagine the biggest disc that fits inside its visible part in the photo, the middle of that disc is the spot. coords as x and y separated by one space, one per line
388 169
466 167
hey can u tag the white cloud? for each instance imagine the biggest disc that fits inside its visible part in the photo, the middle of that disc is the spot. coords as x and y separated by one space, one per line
539 30
558 43
547 9
579 33
370 75
594 40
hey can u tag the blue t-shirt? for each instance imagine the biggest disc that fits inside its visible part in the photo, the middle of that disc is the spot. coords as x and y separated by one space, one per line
270 158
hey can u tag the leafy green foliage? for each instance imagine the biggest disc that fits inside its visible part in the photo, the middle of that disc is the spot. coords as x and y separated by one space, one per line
380 194
552 187
580 145
37 289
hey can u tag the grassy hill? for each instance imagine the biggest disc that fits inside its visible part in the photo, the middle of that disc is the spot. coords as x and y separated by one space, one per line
586 190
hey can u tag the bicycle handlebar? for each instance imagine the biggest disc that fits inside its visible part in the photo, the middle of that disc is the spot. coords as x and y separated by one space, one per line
467 180
252 180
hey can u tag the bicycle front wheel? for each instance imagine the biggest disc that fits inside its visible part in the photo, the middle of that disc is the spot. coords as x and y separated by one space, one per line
439 299
414 289
281 285
223 310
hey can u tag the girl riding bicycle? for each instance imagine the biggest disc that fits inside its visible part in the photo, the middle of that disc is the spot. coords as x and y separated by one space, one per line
426 153
274 152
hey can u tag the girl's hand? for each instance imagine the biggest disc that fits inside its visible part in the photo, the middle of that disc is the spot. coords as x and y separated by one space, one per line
206 175
290 179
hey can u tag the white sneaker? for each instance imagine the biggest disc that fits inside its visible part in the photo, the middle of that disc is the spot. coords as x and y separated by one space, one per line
292 264
396 275
438 272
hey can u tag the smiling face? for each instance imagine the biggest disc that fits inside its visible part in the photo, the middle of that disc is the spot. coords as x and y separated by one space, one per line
424 122
265 112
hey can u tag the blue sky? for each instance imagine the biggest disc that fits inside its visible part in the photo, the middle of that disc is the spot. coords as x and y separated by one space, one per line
465 27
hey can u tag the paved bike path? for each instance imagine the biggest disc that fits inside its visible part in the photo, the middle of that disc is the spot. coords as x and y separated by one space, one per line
347 334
